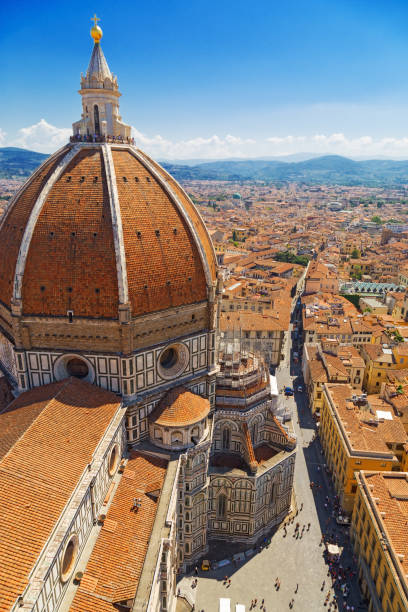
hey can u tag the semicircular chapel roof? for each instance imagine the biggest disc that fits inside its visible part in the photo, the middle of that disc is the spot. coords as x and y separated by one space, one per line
180 408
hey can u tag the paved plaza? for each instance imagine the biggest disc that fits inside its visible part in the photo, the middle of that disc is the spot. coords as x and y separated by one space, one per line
298 562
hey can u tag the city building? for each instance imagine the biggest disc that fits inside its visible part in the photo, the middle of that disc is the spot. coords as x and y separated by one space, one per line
330 362
379 360
358 433
320 279
263 333
380 534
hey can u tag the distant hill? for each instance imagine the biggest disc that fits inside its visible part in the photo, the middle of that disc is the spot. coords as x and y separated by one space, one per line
293 157
18 163
327 169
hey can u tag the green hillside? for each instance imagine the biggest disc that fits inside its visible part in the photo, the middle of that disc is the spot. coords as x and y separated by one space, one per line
328 169
18 163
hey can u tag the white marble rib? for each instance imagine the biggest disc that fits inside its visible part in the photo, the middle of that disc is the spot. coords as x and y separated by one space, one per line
116 225
35 213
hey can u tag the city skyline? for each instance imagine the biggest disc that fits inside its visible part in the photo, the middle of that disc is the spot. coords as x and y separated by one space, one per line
204 82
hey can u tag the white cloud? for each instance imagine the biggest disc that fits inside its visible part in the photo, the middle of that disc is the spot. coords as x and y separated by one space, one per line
339 144
278 140
42 136
199 147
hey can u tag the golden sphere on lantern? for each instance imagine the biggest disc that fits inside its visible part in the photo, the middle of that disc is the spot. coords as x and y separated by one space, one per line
96 31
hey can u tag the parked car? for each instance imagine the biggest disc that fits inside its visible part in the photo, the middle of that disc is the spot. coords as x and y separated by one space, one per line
288 391
343 520
205 565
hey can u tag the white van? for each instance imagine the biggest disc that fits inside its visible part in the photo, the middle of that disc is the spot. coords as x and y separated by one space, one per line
239 608
225 604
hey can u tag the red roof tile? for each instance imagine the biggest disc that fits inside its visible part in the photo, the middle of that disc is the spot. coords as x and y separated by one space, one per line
180 407
115 566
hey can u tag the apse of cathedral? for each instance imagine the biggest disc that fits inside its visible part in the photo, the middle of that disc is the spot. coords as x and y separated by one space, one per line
129 440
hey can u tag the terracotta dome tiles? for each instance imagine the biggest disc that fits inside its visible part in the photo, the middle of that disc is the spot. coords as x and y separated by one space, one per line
14 224
164 267
192 213
71 261
179 408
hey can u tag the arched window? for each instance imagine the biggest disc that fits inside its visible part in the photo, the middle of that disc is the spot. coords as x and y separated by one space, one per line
176 437
96 120
199 510
254 432
221 505
226 435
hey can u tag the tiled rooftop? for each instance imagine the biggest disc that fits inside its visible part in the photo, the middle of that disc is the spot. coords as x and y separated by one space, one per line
71 262
180 407
389 492
48 436
115 566
363 430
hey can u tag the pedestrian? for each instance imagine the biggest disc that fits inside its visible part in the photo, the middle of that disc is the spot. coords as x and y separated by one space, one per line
301 506
297 587
308 526
323 584
196 570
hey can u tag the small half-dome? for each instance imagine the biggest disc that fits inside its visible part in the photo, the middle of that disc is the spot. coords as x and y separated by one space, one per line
180 408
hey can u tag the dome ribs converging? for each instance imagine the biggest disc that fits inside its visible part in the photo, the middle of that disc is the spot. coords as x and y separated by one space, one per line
98 227
192 212
71 261
14 224
164 268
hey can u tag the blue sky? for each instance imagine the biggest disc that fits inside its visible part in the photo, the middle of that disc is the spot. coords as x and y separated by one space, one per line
215 78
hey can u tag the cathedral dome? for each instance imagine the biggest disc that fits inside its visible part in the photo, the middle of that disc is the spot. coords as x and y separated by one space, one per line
100 226
100 230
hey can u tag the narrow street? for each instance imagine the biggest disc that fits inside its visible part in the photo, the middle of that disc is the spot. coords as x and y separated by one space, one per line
298 562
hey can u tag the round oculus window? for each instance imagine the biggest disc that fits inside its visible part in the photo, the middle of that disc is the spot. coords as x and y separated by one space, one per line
69 558
113 460
77 367
168 358
173 361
